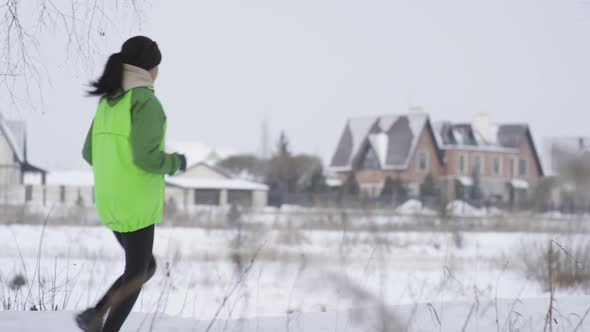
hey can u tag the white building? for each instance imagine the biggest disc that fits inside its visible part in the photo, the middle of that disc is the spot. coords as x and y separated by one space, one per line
203 184
14 164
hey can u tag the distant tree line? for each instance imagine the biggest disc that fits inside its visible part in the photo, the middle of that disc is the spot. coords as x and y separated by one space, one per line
286 173
283 171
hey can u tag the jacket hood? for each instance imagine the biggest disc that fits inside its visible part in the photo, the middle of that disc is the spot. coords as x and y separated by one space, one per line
135 77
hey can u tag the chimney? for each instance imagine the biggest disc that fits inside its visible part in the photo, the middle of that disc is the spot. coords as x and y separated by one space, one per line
415 109
481 125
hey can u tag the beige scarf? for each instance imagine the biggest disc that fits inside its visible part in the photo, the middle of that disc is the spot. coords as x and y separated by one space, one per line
135 77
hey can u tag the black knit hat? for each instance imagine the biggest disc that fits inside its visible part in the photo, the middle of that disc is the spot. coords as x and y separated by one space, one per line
140 51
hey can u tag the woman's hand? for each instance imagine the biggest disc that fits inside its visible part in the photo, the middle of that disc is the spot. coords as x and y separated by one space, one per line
182 162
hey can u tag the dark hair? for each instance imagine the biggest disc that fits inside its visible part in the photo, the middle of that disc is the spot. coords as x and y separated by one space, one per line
110 82
139 51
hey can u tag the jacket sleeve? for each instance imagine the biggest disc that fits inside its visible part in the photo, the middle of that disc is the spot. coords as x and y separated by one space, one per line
87 149
147 132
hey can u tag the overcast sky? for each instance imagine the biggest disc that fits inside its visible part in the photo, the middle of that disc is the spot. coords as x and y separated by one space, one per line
307 65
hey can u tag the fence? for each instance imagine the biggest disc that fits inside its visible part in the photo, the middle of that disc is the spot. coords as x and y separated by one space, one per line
436 202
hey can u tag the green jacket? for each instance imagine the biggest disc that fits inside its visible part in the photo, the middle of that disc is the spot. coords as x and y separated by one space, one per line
125 146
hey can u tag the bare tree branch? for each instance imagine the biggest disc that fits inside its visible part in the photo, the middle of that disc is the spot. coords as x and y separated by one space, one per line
75 24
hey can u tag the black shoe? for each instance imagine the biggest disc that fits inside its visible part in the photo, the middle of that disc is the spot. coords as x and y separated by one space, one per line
89 320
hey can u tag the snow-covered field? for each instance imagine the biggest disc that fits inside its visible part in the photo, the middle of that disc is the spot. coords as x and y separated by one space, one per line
527 315
288 280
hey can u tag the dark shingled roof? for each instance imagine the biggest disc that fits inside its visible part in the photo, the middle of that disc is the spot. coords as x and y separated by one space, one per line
14 131
511 136
392 137
508 136
503 136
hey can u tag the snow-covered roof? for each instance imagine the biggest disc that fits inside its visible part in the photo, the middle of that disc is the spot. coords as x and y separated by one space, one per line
393 138
386 121
14 131
437 128
78 178
492 137
213 178
82 178
379 142
196 152
231 184
359 129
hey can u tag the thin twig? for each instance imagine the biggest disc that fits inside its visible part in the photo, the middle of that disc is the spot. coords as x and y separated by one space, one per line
232 290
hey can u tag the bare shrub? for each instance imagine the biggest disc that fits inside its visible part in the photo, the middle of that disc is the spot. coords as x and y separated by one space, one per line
458 239
17 282
557 265
380 317
292 235
170 209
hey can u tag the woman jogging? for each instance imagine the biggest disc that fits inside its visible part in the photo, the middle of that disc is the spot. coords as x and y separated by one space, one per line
125 147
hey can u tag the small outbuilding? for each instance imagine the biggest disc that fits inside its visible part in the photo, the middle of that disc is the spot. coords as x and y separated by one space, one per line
204 184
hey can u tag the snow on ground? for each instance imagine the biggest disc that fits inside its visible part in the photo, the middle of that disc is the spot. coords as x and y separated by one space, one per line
414 207
460 208
310 277
528 315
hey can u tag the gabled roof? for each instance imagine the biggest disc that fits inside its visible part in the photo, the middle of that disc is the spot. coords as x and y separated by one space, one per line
216 184
14 131
463 135
72 177
225 182
16 135
501 137
215 169
392 137
197 152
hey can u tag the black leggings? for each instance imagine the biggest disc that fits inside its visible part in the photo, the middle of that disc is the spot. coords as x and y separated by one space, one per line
140 266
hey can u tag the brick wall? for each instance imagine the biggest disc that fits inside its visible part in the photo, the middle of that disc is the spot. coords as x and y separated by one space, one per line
372 180
533 172
492 183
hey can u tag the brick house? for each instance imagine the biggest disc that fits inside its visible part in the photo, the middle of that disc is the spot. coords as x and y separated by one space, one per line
400 146
504 157
409 147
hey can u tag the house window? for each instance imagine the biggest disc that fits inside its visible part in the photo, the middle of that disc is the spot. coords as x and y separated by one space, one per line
28 193
497 166
239 197
207 196
522 167
371 161
62 194
462 166
423 161
478 164
512 167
